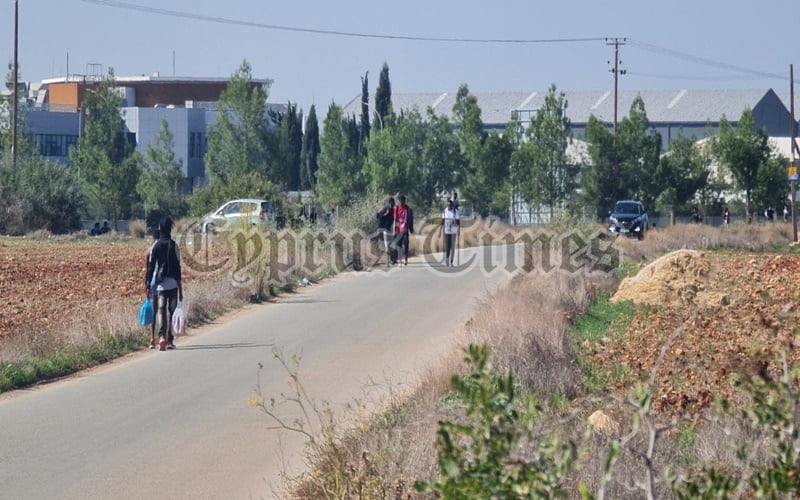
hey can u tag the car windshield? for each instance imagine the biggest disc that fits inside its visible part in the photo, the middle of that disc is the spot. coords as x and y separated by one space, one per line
626 208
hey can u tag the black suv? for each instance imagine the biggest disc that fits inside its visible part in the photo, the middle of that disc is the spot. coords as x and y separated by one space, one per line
629 218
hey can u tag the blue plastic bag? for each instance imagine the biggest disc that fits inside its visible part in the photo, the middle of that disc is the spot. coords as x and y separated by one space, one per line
146 313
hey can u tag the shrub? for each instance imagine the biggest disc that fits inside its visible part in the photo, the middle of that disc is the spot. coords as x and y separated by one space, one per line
54 196
483 458
137 229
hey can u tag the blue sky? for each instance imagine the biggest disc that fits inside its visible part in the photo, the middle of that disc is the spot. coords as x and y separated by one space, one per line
710 43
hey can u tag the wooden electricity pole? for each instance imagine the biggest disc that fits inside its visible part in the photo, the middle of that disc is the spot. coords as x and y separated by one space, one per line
616 42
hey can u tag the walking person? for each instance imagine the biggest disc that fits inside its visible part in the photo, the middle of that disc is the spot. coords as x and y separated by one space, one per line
165 268
152 292
726 217
450 223
403 226
386 228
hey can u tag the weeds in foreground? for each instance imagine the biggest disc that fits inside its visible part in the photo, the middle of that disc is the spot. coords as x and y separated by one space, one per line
484 457
65 360
107 331
336 473
598 325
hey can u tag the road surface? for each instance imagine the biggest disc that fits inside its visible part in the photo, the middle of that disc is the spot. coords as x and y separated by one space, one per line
176 424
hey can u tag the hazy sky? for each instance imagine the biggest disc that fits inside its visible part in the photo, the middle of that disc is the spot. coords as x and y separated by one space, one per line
671 45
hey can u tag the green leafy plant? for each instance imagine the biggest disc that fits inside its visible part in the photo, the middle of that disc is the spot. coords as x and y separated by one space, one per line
497 452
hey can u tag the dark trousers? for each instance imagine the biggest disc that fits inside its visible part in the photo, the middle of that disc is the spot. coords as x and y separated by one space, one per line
401 241
449 247
167 302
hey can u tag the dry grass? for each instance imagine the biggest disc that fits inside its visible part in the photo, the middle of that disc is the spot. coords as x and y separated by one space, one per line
137 229
525 326
119 319
742 236
398 442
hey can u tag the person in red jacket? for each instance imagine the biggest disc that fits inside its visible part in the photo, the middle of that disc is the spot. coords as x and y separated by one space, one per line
403 226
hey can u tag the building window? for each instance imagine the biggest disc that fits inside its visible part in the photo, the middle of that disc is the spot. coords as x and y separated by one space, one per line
55 144
197 144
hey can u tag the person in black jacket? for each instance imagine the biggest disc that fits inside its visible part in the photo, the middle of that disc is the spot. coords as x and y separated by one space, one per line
164 267
386 227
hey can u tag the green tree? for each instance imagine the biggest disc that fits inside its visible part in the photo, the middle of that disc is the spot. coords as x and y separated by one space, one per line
161 183
237 160
104 158
484 176
364 113
622 166
394 157
285 141
383 100
542 169
53 194
682 173
339 178
495 170
25 142
310 151
742 150
638 153
441 159
601 180
772 187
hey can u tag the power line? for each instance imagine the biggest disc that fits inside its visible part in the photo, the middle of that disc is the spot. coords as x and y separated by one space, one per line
238 22
702 60
689 77
521 41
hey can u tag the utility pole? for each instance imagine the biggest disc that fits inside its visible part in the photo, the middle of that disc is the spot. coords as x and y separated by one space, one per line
795 151
15 92
616 42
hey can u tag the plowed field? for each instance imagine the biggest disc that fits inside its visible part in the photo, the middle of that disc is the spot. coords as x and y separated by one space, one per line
44 282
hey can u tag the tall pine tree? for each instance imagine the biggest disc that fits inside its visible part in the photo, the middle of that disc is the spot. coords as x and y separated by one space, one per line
340 178
383 99
310 152
364 113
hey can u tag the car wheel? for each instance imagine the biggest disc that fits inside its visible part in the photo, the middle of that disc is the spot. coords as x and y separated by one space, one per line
210 228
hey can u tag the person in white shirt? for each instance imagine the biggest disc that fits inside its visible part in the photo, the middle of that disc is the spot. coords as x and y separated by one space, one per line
450 223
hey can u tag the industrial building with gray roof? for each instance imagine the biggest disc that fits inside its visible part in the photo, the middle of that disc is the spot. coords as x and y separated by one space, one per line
694 113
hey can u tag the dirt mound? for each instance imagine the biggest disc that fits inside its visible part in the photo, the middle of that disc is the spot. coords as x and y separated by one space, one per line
679 277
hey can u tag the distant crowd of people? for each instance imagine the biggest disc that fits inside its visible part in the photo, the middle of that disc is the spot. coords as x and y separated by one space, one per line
396 224
770 215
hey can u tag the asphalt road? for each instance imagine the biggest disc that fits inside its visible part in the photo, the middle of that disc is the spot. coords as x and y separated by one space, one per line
176 424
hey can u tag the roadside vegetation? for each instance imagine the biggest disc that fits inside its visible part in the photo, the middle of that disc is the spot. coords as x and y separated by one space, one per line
72 300
543 357
555 388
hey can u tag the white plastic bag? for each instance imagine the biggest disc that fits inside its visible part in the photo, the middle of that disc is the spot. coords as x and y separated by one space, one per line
179 320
